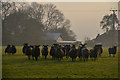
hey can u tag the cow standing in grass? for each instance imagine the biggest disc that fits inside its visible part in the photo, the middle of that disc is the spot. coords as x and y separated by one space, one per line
52 52
101 50
36 52
59 53
13 49
67 47
45 51
85 53
29 51
73 53
10 49
25 47
79 52
64 50
112 51
94 53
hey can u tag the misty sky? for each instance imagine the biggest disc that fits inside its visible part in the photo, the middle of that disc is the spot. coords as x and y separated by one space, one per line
85 17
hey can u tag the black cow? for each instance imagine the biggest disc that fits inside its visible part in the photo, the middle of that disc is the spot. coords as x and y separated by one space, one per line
33 51
73 53
25 46
79 51
36 52
85 53
29 51
13 49
10 49
52 52
64 50
100 50
59 53
67 47
45 51
112 50
94 53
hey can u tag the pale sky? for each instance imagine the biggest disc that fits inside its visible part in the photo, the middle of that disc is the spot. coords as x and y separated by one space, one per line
85 17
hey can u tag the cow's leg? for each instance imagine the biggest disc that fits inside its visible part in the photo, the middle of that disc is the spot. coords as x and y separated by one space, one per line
52 57
80 59
109 54
91 59
72 59
39 56
86 59
113 55
100 54
66 56
33 57
45 56
36 58
94 59
28 57
60 59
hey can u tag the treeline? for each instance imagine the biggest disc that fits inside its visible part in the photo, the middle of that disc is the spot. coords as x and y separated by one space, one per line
27 22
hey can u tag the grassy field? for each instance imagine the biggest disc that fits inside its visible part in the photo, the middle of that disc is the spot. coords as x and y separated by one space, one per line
17 66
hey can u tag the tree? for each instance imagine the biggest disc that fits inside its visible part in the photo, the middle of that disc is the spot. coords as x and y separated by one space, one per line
11 7
5 9
36 11
109 22
52 19
33 20
23 29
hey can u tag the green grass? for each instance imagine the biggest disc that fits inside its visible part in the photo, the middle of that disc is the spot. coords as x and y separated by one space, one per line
17 66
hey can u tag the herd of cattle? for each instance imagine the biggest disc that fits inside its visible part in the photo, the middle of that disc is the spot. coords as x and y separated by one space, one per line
58 52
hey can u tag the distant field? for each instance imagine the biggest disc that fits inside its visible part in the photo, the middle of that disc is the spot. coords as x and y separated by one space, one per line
18 66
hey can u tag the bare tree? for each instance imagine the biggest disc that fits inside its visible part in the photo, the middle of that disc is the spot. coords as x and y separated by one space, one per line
9 8
53 18
36 11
